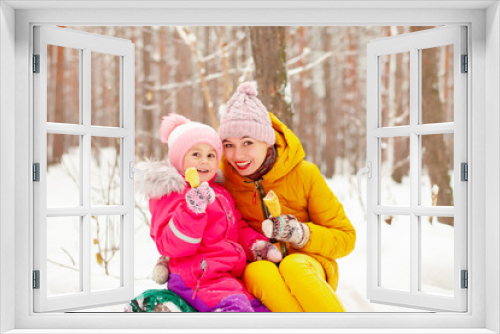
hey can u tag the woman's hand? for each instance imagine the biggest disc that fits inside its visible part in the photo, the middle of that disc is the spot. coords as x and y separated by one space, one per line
288 229
199 198
264 250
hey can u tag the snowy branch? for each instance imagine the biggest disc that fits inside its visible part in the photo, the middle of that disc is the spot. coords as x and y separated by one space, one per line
309 66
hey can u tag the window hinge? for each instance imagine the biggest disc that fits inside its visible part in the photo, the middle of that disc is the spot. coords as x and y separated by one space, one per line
464 171
36 172
465 64
36 63
465 279
36 279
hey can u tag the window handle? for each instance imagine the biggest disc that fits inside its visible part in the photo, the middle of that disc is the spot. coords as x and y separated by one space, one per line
368 170
133 170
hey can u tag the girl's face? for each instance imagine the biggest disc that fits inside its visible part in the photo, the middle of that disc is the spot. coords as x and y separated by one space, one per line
203 157
245 154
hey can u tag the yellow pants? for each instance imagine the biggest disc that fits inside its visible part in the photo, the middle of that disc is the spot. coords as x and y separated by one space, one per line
298 285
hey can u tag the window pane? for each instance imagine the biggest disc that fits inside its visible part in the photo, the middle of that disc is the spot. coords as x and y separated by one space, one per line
106 268
395 89
63 84
63 170
437 255
395 252
105 171
395 166
105 90
63 255
437 170
437 84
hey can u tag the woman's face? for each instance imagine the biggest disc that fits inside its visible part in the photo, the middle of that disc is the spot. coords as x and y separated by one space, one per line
245 154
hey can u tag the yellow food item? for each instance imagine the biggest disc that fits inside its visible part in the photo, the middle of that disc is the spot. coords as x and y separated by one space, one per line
192 177
273 204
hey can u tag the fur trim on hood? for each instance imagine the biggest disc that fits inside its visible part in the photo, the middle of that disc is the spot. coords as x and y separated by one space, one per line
160 178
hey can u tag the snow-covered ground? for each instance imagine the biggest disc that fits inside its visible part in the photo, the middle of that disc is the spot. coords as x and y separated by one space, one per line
437 244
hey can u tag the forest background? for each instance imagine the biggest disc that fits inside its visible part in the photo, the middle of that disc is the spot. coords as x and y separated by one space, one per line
313 78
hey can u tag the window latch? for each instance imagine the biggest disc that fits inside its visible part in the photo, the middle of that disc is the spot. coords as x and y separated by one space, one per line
367 170
133 170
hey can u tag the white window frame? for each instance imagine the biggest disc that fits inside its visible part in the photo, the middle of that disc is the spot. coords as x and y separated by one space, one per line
483 20
85 43
413 43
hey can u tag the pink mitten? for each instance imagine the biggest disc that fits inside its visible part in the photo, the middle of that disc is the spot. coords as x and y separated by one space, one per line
264 250
198 198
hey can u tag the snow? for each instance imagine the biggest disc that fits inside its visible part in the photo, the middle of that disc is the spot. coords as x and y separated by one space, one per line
437 244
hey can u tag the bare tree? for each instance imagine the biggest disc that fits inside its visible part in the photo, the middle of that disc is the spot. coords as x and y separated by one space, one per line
269 54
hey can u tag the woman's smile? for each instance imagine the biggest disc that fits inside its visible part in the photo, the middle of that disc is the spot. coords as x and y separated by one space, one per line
242 165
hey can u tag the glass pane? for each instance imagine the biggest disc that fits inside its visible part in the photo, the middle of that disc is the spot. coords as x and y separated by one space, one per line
63 255
437 170
395 89
437 84
105 90
105 171
437 255
63 170
63 84
395 252
106 263
394 172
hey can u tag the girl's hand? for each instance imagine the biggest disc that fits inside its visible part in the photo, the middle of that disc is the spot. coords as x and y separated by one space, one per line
199 198
286 228
264 250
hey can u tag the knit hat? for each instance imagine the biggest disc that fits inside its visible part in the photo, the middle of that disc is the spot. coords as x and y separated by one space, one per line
246 116
181 135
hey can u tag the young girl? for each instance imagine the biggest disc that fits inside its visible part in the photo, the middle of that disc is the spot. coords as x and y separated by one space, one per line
199 228
262 154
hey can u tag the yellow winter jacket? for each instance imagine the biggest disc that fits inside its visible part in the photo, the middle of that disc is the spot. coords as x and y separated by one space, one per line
302 192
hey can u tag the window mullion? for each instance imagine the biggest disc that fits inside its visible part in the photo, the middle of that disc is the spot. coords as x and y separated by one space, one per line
414 168
85 161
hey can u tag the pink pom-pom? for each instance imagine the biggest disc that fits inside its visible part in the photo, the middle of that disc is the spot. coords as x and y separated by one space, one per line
169 123
247 88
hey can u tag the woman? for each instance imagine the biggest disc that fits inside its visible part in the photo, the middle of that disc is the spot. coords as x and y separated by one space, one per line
262 154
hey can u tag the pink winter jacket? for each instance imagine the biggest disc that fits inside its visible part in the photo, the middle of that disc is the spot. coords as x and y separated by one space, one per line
202 246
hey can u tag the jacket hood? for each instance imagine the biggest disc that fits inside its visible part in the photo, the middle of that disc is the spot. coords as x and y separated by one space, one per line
161 178
290 154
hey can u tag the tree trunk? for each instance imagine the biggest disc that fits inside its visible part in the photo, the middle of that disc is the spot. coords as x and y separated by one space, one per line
148 94
401 147
331 127
60 114
269 54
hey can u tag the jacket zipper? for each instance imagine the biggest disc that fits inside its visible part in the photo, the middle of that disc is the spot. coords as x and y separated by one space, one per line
265 211
230 221
203 265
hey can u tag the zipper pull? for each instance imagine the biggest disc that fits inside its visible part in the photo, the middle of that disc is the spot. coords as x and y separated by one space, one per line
254 199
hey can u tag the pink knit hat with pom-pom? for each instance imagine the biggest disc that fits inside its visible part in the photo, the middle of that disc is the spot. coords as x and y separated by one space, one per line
246 116
181 135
